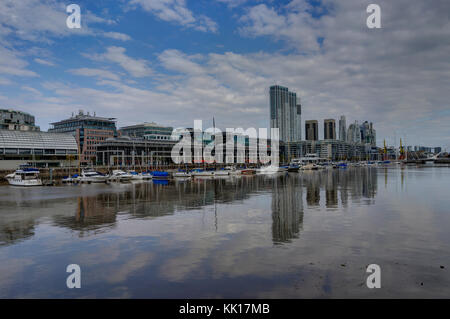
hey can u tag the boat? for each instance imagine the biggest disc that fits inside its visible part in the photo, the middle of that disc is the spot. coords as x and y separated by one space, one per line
91 176
24 177
182 174
310 167
293 168
160 175
120 176
70 179
232 170
222 172
271 169
202 173
248 171
311 159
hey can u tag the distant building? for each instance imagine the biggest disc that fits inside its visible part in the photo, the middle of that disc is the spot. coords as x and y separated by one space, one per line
354 133
17 121
437 150
285 113
342 129
40 149
148 131
312 130
89 131
368 134
329 129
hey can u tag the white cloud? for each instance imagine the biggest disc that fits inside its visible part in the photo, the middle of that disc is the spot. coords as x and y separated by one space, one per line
43 62
104 74
176 11
117 36
12 64
135 67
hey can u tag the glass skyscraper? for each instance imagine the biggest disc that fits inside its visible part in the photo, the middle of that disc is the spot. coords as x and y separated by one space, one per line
285 113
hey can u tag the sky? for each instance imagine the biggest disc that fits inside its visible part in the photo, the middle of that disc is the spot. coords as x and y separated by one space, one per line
174 61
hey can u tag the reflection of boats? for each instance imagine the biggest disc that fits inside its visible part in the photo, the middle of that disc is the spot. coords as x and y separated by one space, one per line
25 177
160 181
120 176
91 176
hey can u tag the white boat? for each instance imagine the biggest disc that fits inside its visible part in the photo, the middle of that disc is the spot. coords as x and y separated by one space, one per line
221 173
25 177
232 170
120 176
182 175
309 167
202 173
309 158
139 176
270 169
91 176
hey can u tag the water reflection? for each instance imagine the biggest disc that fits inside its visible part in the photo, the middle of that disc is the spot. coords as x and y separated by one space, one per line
89 214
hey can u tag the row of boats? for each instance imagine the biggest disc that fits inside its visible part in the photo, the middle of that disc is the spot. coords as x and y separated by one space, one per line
28 176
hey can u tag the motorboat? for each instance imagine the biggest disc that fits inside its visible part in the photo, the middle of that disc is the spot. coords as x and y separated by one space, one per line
272 169
248 171
120 176
182 174
25 177
309 167
160 175
233 170
222 172
202 173
91 176
293 168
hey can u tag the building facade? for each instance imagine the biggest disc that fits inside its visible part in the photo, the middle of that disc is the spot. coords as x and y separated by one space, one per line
40 149
89 131
285 113
329 129
368 134
342 129
17 121
312 130
148 131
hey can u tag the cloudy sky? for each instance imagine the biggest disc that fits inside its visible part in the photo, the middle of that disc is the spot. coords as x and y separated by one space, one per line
173 61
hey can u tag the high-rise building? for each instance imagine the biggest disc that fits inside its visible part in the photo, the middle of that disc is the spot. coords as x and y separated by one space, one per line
368 134
342 129
354 133
285 113
312 130
17 121
89 131
329 129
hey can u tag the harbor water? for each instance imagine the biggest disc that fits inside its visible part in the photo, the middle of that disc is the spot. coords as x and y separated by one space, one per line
289 235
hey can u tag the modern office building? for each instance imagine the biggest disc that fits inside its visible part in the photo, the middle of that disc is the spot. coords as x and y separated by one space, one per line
148 131
89 131
368 134
40 149
125 151
312 130
354 133
329 129
285 113
342 129
17 121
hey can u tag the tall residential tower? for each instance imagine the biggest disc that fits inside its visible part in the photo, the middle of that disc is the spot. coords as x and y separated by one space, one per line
285 113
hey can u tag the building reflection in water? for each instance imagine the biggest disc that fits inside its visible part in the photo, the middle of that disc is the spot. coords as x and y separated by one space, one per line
89 215
287 209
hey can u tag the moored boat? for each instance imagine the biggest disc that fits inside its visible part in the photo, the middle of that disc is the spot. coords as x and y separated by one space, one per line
25 177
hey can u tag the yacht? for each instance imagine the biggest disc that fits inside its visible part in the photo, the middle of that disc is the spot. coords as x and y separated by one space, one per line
272 169
182 174
202 173
25 177
232 170
309 158
91 176
120 176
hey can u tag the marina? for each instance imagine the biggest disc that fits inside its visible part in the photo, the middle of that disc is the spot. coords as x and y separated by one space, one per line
282 235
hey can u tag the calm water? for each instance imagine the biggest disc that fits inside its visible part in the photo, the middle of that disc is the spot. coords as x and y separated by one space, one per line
310 234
